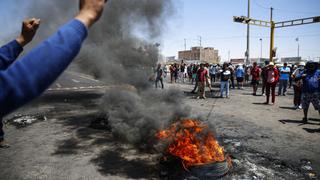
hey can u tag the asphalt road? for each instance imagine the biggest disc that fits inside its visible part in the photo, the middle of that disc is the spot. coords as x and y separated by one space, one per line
72 80
265 142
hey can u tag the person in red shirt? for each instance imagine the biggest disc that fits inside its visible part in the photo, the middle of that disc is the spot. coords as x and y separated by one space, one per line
172 70
255 73
272 78
202 75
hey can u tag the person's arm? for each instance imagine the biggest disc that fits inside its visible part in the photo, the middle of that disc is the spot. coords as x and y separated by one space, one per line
32 74
277 74
9 53
301 75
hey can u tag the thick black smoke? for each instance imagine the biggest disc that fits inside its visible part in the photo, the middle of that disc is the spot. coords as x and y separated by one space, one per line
122 50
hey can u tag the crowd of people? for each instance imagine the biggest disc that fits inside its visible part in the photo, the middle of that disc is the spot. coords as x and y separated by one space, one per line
303 77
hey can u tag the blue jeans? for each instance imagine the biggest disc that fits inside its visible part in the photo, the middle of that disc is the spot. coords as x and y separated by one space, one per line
1 130
224 86
282 87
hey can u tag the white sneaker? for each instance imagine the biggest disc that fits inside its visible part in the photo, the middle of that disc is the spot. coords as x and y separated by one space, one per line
300 107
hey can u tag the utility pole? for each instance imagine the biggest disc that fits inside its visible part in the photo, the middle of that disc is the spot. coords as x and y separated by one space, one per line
272 25
248 37
297 39
260 49
185 44
271 35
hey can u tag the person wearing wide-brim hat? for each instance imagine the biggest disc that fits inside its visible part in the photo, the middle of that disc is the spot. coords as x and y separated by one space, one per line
272 78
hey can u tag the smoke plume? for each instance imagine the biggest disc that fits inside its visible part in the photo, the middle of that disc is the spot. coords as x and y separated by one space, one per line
122 49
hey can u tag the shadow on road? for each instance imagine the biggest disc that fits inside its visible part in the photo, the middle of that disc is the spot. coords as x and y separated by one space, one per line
312 130
250 94
289 108
83 136
112 163
300 122
208 94
314 119
259 104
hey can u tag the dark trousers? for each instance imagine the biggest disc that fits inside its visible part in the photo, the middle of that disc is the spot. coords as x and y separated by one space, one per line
264 83
161 81
213 78
271 87
195 86
282 87
1 130
232 83
297 95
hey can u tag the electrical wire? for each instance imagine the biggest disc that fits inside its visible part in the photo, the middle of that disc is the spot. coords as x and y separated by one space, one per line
283 10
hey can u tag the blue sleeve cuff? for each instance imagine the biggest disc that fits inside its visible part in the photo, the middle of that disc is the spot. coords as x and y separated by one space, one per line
16 46
80 27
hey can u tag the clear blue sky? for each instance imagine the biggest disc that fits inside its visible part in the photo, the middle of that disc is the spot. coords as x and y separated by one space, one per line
212 19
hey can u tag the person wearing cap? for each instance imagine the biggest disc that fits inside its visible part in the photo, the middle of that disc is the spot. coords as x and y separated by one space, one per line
272 78
310 88
284 79
29 76
297 85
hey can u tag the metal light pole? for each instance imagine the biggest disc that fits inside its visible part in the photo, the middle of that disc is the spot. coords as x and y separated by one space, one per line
272 25
260 49
297 39
248 37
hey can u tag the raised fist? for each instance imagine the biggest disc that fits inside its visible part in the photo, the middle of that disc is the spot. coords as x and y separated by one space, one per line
29 29
90 11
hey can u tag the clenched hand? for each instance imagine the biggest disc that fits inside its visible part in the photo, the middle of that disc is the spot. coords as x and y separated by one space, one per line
90 11
29 29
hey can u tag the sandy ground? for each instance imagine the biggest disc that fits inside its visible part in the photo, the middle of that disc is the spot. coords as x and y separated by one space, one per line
66 147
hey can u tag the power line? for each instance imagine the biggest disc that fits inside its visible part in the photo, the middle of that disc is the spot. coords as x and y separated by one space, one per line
261 6
294 12
284 10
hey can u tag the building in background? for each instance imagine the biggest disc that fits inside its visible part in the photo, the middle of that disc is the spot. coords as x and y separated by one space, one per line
291 60
200 54
261 61
237 61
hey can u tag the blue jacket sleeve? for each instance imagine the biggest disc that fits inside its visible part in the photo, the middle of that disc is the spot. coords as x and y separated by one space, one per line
9 53
32 74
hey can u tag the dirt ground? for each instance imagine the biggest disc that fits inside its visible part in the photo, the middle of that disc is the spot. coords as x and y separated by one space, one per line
265 141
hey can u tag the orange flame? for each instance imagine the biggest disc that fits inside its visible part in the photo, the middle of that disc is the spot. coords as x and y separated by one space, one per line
193 143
